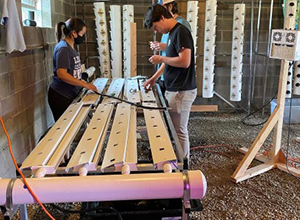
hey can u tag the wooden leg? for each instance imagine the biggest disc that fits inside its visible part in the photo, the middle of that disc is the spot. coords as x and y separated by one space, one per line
260 139
280 105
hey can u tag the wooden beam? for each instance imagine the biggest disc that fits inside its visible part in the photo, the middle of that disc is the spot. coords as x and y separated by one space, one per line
292 170
254 171
133 50
204 108
280 105
260 157
260 139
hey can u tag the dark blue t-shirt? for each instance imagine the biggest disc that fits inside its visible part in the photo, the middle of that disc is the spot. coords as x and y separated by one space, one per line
65 57
180 79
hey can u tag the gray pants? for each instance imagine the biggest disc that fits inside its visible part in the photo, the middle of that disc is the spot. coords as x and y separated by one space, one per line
181 103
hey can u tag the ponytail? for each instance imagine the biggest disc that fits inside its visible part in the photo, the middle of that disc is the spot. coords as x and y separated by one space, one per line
58 31
73 24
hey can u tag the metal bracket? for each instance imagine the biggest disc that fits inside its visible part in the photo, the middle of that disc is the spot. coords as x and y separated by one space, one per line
186 204
10 208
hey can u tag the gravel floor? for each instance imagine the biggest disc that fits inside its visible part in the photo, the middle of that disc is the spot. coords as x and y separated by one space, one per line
273 195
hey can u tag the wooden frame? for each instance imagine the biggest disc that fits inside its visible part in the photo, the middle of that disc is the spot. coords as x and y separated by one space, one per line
277 159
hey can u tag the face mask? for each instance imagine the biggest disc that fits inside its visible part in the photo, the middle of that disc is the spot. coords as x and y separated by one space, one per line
79 39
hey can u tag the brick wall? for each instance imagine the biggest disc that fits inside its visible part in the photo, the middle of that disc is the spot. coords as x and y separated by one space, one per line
24 80
224 38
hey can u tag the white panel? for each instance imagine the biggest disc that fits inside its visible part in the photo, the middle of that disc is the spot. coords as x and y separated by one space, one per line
192 18
128 17
116 40
289 23
132 90
116 147
114 89
44 150
147 96
131 153
237 52
91 98
102 38
160 143
297 79
89 142
64 146
209 48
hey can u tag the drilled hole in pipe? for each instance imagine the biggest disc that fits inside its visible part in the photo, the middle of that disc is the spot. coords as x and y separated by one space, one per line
89 139
161 149
112 160
158 136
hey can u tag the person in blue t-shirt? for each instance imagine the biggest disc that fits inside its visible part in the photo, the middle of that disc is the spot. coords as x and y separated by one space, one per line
161 46
67 81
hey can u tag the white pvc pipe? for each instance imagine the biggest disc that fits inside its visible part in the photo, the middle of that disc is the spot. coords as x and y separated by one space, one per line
106 188
40 173
167 168
209 48
125 169
237 52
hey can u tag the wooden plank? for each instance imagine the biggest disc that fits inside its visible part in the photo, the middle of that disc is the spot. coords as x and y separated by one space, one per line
132 90
114 89
254 172
87 146
160 143
147 96
133 50
44 150
260 139
280 105
204 108
116 147
259 156
292 170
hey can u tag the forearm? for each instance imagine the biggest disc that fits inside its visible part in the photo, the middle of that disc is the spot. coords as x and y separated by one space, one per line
71 80
159 72
176 61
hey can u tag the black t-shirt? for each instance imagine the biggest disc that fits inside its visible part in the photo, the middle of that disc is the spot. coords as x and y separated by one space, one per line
65 57
180 79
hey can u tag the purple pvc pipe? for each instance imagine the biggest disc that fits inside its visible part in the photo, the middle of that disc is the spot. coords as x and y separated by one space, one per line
106 188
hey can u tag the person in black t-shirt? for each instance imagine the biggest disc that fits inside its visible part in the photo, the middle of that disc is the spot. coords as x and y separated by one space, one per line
67 81
179 73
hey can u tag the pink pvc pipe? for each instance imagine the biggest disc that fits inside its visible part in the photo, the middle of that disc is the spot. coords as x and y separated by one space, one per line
106 188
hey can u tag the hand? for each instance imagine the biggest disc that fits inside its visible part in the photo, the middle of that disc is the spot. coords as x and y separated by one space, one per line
148 84
155 59
158 46
90 86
